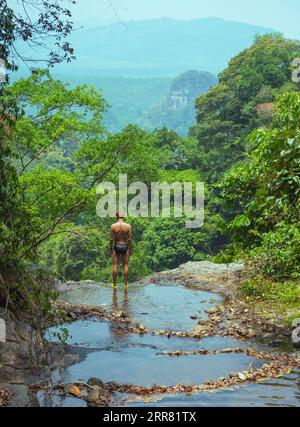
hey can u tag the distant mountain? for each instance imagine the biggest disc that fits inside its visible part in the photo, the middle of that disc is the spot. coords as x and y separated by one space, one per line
130 99
158 48
177 109
149 103
134 65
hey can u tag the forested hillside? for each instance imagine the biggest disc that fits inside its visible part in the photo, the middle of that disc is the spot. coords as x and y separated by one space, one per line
149 103
129 99
245 146
248 129
176 111
246 217
68 135
242 101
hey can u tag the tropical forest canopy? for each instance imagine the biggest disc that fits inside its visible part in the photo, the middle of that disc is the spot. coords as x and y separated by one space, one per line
148 102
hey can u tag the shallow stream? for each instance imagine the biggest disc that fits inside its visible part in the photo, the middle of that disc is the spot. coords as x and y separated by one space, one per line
134 359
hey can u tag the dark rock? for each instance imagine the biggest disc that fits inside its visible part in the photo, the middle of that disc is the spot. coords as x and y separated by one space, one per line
211 311
21 396
98 397
204 322
93 396
24 352
251 333
112 385
95 382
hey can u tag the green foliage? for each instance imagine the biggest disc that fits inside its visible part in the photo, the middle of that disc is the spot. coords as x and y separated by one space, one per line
50 117
83 253
260 288
62 335
71 251
179 153
264 194
16 226
228 112
19 28
278 256
265 189
50 114
163 247
43 198
176 110
54 151
210 239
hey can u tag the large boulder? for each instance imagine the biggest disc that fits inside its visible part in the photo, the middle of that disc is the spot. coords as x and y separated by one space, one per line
24 353
203 275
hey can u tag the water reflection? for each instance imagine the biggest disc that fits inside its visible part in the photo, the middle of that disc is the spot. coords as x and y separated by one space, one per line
121 304
157 307
140 360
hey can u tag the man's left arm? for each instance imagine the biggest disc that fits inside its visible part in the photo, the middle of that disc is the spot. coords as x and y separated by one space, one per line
111 240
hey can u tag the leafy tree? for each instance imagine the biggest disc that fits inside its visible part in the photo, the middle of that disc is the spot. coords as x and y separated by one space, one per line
12 232
163 247
17 225
51 199
179 153
264 192
229 111
50 114
31 22
73 250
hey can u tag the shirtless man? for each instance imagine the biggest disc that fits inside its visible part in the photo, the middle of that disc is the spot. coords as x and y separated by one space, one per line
120 245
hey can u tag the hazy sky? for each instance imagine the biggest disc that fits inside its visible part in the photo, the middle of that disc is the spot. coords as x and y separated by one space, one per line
282 15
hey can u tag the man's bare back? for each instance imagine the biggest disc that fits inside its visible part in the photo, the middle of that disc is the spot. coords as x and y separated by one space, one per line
120 244
121 231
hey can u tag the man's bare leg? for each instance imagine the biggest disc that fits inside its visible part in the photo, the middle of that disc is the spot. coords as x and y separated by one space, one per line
115 269
125 270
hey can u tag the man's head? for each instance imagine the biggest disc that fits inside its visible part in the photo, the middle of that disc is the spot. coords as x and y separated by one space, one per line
120 215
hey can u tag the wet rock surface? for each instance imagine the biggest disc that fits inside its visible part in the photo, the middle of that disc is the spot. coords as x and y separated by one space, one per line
19 395
23 352
234 316
135 331
27 357
229 318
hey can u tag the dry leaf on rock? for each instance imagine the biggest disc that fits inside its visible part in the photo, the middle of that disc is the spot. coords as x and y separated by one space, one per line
74 391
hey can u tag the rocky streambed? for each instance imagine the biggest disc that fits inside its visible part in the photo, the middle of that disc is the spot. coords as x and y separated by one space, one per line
181 337
177 338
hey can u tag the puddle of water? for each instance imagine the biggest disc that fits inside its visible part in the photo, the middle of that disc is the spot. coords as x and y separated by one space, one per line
157 307
283 392
135 359
101 336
